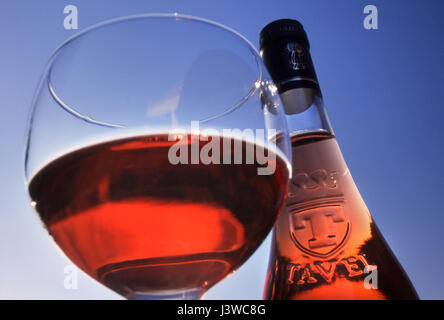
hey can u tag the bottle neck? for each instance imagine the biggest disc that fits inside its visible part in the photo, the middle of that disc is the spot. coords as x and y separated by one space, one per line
305 112
291 68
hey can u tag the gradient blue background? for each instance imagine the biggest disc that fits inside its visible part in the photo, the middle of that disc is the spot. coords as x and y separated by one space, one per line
383 90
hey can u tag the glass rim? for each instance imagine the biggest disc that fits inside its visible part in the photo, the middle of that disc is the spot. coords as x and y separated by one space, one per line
82 116
150 15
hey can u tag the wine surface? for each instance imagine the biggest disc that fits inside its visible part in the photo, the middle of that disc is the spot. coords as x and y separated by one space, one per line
325 244
139 224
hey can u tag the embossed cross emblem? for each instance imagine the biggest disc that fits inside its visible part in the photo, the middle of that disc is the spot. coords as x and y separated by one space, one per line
319 229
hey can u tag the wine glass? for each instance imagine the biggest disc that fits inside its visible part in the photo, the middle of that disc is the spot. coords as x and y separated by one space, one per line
157 153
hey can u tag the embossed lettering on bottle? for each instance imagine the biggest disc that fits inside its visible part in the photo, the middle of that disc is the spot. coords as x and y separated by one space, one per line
317 213
325 237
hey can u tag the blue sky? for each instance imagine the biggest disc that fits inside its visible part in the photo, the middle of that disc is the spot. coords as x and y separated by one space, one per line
383 90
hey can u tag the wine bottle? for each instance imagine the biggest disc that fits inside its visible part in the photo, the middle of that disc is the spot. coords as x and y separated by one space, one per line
325 244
